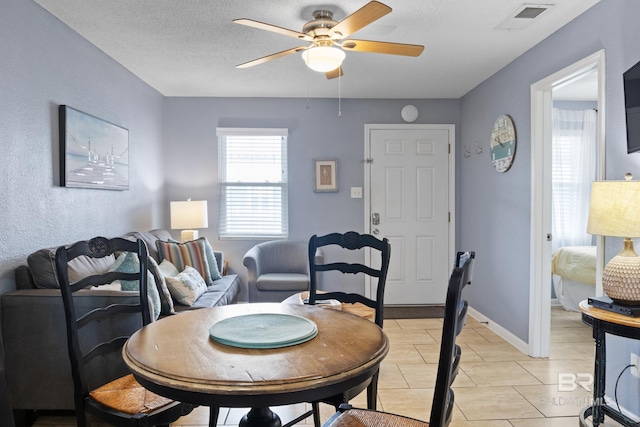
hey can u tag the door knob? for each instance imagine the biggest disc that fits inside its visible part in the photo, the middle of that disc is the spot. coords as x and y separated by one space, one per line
375 231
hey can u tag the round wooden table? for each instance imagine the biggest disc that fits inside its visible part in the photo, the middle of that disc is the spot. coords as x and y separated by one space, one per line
176 358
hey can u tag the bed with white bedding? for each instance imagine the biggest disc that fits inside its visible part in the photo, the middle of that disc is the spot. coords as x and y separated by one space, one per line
574 274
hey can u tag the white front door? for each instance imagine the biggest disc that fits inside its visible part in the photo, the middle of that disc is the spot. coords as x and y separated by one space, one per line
410 195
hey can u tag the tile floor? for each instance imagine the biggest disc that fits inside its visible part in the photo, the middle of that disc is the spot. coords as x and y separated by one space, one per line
497 385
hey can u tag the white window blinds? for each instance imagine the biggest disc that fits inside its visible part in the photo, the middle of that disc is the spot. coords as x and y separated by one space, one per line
253 193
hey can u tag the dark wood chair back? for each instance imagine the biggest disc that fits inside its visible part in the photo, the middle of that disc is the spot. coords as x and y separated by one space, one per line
351 241
96 334
448 363
454 319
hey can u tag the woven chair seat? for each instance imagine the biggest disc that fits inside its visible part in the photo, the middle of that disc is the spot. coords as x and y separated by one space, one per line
364 418
126 395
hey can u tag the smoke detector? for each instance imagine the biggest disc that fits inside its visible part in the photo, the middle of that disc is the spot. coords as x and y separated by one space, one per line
523 16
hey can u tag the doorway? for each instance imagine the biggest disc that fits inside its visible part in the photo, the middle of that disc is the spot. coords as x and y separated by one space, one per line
541 184
409 199
573 151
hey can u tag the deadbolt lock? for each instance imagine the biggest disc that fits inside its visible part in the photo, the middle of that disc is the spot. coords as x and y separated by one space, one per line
375 218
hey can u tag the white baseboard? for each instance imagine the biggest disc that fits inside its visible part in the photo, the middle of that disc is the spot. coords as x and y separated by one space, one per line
555 302
612 403
499 330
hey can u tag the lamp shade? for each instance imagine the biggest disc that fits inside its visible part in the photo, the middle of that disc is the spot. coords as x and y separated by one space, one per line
189 214
614 209
323 58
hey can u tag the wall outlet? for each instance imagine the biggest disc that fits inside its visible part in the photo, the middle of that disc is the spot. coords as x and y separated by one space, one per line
635 361
356 192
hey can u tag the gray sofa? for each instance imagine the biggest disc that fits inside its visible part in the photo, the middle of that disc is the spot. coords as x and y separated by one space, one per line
278 269
34 336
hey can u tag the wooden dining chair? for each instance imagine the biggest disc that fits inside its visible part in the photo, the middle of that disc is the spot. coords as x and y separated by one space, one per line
448 363
350 241
96 334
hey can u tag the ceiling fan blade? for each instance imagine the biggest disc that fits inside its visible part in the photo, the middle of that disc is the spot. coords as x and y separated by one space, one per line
383 47
273 28
362 17
271 57
334 73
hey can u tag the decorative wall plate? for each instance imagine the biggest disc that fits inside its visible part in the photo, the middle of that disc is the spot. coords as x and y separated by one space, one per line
503 143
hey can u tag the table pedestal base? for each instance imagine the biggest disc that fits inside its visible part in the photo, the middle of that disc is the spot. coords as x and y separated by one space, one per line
260 417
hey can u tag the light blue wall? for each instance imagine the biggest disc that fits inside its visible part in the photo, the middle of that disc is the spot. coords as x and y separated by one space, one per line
495 208
190 168
494 211
43 64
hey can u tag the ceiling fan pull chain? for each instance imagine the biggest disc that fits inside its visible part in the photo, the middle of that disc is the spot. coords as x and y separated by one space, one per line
339 94
308 103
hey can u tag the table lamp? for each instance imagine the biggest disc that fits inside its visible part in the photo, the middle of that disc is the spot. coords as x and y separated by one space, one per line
614 210
189 215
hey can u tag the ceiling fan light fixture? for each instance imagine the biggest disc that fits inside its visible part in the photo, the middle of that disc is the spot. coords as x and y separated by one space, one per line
323 58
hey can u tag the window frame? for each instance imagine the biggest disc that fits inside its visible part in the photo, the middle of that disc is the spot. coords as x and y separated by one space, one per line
234 233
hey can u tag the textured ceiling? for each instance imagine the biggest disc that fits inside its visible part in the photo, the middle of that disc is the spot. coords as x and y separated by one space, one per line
191 47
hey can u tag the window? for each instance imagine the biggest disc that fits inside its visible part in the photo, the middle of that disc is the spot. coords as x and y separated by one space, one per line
573 169
252 168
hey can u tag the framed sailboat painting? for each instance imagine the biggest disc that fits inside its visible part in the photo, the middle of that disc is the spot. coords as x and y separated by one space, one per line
94 153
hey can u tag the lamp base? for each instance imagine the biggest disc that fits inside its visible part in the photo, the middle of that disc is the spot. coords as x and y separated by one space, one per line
188 235
621 276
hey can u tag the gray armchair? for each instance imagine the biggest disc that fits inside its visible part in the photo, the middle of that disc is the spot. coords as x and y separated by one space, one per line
278 269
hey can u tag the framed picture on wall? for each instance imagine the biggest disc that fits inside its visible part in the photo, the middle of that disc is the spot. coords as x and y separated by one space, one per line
93 152
326 175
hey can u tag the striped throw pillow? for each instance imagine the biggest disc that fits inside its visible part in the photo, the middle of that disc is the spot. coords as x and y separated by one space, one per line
185 254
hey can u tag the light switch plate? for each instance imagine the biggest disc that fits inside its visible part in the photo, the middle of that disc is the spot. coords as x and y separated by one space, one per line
356 192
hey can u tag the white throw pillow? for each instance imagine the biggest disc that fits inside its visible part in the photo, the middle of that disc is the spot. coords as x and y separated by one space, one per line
187 286
168 269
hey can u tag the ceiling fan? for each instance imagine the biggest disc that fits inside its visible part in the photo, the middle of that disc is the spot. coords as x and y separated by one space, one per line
327 36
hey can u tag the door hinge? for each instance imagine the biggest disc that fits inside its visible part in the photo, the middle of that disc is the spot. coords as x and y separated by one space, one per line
449 217
368 161
449 145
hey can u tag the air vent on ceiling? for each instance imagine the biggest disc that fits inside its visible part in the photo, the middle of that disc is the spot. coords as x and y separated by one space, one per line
530 12
523 16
